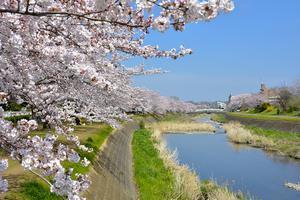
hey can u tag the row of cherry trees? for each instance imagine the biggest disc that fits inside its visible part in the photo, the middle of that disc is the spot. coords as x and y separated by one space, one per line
64 58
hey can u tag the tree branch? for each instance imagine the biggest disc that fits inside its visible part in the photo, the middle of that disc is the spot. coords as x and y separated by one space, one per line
40 176
70 14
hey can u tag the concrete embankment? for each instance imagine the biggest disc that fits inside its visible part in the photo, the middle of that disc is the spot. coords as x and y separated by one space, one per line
112 173
281 125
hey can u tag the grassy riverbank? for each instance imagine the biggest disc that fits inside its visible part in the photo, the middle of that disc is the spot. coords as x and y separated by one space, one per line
159 175
153 179
264 117
219 118
285 143
25 186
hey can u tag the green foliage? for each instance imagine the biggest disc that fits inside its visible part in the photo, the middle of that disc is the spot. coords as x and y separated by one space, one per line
154 180
89 139
13 106
34 190
15 119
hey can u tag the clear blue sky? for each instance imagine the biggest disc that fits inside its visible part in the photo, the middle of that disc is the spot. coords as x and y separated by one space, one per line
258 42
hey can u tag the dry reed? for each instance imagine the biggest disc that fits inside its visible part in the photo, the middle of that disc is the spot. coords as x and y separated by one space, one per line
295 186
187 184
237 134
186 127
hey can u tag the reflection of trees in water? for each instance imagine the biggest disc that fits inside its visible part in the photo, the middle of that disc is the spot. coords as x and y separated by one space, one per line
277 158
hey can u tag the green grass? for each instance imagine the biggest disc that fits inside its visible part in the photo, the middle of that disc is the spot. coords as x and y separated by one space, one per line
273 112
264 117
154 180
34 190
93 137
176 117
219 118
286 142
15 119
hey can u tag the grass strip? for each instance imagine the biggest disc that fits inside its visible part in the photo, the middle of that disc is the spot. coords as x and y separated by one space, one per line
34 190
219 118
153 179
264 117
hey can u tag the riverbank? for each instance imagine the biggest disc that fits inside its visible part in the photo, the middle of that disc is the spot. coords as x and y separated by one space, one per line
220 118
264 116
153 161
285 143
280 123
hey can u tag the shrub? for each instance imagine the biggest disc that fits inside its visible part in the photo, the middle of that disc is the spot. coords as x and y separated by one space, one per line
15 119
89 139
13 106
142 124
263 107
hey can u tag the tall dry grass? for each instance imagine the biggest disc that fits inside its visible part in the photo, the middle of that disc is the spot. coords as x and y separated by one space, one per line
187 127
187 184
222 193
236 133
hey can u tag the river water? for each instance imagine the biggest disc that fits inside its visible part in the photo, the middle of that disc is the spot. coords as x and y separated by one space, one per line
250 170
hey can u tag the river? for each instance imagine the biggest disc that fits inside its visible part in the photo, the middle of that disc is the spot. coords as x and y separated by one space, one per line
251 170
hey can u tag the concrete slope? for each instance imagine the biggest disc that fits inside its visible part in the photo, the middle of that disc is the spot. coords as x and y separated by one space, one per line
112 174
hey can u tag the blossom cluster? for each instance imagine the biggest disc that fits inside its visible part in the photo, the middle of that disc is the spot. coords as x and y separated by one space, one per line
3 182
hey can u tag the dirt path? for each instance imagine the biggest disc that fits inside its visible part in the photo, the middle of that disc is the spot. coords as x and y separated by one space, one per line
112 174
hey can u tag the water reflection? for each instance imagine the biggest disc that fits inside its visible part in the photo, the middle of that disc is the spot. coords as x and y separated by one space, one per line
274 156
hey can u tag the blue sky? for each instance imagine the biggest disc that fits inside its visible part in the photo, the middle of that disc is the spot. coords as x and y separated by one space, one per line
258 42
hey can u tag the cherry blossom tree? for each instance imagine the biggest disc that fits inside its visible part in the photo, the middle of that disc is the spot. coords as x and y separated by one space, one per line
65 60
153 102
245 101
